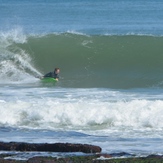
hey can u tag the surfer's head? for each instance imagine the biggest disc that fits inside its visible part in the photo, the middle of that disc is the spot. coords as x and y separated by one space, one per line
57 70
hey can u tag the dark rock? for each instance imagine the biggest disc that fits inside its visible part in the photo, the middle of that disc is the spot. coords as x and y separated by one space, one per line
42 159
154 156
56 147
11 161
93 158
121 154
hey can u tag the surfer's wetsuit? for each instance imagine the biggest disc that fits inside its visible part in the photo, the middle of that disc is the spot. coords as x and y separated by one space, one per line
52 75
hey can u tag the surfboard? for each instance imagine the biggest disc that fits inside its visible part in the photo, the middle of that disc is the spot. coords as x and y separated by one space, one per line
48 80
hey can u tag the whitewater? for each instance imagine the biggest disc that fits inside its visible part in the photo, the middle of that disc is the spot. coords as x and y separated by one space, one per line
110 91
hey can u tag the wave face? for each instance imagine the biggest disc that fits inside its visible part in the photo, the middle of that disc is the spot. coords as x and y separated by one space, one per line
111 61
127 61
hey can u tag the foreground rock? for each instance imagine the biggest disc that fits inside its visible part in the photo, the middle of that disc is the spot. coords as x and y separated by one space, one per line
94 159
44 147
88 159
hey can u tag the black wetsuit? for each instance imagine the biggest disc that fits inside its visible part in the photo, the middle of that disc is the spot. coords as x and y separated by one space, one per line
52 75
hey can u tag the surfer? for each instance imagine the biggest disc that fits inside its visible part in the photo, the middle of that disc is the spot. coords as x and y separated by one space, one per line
54 74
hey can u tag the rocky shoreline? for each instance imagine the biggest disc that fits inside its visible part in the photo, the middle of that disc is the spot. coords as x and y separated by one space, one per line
87 159
93 154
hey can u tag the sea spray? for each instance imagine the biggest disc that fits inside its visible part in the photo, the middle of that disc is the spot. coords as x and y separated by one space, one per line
15 63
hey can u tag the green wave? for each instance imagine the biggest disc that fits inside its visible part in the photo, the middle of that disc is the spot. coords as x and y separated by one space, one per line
127 61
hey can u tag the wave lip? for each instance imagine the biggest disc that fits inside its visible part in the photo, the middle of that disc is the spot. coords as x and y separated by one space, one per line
15 63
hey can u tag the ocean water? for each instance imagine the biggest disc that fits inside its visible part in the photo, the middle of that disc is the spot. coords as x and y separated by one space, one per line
110 91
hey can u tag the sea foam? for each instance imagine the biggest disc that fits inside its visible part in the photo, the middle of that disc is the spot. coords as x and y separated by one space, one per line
56 110
15 63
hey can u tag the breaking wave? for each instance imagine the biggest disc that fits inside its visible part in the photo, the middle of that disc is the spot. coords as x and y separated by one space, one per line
112 61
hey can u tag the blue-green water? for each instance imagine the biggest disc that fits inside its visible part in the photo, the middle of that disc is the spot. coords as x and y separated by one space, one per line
90 17
110 90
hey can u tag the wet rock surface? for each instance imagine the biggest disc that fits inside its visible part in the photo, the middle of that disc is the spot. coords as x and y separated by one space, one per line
88 159
44 147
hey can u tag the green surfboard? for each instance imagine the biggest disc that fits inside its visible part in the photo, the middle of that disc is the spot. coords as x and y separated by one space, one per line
48 80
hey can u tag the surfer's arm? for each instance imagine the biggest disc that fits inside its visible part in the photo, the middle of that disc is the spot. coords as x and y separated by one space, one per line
48 75
56 77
